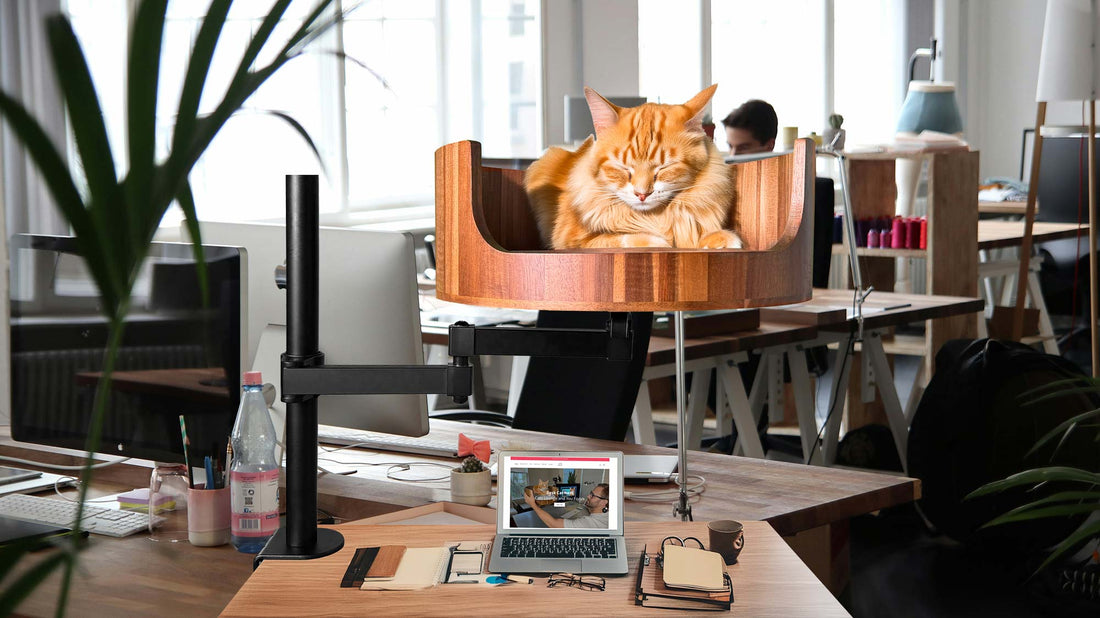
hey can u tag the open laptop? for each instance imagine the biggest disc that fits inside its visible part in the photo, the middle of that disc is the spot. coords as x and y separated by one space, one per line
591 539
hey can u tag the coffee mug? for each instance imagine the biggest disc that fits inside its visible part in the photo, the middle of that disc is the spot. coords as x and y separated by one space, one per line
788 135
727 537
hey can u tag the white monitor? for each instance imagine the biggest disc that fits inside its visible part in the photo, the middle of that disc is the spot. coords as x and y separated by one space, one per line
369 315
578 118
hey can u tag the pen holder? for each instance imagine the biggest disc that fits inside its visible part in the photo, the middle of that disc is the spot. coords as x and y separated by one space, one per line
208 517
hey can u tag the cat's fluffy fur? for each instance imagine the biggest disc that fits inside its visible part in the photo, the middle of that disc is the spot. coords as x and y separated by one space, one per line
650 178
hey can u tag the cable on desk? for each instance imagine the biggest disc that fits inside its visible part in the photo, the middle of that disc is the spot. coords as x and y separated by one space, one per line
849 349
397 467
664 495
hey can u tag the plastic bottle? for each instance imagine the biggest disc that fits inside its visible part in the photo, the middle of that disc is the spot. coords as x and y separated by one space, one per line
254 473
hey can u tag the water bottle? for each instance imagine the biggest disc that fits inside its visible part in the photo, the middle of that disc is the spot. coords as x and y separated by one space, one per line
254 473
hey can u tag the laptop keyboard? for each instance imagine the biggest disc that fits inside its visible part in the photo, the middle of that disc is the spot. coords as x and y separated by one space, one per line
558 547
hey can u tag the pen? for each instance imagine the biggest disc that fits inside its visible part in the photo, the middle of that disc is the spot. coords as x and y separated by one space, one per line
208 464
186 458
519 579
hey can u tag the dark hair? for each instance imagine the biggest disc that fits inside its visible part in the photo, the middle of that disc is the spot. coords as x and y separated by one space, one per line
606 490
757 116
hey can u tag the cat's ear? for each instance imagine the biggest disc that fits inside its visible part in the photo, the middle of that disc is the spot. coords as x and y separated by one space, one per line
698 106
604 113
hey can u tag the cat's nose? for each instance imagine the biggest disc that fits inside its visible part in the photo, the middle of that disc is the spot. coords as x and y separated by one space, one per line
641 196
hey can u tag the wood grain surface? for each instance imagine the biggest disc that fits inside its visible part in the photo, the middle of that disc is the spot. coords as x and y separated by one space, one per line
488 251
768 580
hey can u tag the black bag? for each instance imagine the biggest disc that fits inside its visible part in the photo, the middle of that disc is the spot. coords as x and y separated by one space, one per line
971 427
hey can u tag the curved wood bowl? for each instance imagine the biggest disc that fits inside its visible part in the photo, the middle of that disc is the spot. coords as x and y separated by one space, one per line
488 250
531 490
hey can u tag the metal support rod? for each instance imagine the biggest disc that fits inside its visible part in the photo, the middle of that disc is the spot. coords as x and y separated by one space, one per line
850 232
682 508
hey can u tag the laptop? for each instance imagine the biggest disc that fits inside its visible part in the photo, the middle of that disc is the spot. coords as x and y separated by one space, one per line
565 487
651 468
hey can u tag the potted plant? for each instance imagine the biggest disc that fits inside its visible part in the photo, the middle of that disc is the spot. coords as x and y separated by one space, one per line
471 483
834 132
114 213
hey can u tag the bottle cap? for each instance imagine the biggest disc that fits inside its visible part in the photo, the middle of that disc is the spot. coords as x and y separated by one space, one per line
253 378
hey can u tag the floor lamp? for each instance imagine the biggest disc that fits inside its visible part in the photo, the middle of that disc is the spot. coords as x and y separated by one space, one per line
1069 70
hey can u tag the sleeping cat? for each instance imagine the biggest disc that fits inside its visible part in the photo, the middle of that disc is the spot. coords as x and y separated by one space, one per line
650 178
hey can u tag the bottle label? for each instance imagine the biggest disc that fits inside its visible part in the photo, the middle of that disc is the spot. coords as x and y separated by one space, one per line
255 497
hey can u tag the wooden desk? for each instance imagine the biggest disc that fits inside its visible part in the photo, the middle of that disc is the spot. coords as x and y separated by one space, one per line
1018 209
768 580
997 234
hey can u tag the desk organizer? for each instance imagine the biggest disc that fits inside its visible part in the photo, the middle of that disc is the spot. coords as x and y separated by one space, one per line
488 250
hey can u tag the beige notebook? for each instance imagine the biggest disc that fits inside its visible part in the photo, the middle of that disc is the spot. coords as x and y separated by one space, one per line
421 567
694 569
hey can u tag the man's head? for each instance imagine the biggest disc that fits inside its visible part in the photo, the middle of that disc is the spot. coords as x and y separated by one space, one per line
598 499
751 128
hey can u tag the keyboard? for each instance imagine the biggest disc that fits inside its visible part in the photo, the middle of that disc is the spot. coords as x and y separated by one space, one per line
558 547
385 442
98 520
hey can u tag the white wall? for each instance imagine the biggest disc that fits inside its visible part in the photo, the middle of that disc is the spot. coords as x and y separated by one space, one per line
586 43
997 77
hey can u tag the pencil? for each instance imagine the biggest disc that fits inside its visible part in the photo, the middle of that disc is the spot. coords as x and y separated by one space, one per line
186 458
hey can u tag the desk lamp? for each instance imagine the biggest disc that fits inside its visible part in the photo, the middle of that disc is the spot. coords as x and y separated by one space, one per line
928 106
1069 70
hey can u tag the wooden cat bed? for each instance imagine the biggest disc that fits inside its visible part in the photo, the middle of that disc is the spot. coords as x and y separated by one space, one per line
488 250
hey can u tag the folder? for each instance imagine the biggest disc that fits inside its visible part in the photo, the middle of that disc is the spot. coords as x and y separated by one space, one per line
651 591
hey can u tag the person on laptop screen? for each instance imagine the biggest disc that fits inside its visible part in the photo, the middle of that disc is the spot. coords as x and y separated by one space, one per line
593 515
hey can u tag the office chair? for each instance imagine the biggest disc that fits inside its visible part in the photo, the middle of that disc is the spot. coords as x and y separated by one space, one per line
584 397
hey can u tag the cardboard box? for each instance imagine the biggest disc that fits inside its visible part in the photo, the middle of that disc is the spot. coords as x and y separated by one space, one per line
439 513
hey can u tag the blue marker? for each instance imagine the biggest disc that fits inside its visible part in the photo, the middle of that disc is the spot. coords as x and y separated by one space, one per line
209 463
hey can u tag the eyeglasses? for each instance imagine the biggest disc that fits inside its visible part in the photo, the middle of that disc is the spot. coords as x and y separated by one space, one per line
593 494
584 582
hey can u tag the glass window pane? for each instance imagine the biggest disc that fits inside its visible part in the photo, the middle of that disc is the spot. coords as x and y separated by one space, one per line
869 106
772 51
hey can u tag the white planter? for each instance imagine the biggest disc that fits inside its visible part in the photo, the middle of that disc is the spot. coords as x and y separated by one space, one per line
473 488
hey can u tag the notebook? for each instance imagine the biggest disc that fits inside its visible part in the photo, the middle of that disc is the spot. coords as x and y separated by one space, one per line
653 468
591 539
421 567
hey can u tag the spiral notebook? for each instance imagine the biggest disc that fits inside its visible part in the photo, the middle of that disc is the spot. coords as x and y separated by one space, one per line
421 567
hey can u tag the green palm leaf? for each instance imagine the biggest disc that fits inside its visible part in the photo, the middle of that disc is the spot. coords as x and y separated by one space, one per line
1038 475
187 204
198 69
18 590
1063 427
1026 514
297 126
1084 533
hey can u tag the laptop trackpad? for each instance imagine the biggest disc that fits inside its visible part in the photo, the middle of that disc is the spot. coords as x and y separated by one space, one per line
566 566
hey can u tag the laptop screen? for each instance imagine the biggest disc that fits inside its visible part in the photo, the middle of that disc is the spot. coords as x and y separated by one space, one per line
573 491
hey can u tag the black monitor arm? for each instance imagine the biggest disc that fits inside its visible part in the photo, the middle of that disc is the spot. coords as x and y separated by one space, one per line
305 376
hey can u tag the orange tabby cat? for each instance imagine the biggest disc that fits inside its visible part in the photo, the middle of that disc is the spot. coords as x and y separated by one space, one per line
651 178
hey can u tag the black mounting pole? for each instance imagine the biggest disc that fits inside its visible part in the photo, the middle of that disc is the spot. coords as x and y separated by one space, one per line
300 539
305 375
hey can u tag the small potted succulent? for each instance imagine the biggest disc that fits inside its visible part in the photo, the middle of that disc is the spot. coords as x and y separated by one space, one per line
471 483
834 132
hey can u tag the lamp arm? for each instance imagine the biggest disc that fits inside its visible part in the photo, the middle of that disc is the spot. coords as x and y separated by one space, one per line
924 52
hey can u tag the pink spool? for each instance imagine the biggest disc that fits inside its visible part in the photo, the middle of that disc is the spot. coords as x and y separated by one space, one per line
897 234
924 232
912 233
872 239
884 239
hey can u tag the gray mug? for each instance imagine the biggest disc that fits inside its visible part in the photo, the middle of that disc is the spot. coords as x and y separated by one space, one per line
727 537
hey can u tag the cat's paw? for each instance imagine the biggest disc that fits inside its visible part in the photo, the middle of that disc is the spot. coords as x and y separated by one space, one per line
722 239
644 240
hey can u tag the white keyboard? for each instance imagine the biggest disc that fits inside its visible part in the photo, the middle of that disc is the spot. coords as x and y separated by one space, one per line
99 520
385 442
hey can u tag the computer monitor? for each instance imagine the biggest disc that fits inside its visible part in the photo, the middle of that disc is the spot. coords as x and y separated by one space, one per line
177 356
369 315
578 118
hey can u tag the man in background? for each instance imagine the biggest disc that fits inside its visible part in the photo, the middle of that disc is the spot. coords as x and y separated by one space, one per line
751 128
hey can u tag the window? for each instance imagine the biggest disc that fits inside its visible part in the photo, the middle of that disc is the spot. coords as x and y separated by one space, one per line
461 69
787 52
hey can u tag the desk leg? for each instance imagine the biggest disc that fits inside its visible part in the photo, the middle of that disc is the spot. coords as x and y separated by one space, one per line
826 550
884 379
803 399
739 405
835 414
642 421
697 407
516 380
1046 329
